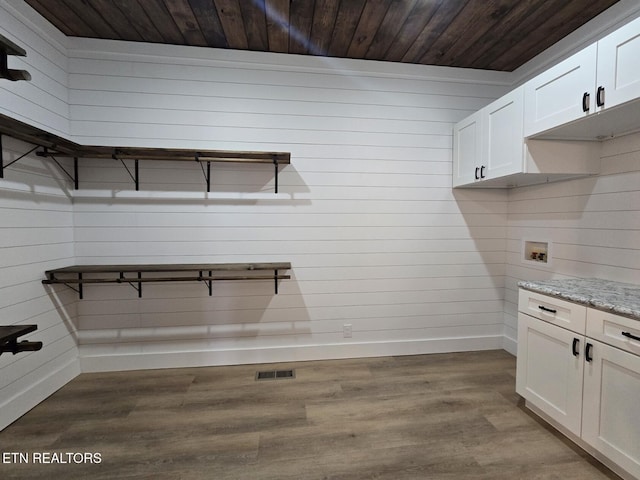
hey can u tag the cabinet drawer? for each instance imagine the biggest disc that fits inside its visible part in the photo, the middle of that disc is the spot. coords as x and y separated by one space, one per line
614 330
553 310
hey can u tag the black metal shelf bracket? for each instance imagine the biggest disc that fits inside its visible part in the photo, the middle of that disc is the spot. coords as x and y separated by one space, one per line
68 285
3 166
208 283
122 279
207 174
74 178
77 290
275 171
135 176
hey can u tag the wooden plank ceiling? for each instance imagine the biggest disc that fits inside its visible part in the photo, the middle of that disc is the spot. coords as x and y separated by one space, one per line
484 34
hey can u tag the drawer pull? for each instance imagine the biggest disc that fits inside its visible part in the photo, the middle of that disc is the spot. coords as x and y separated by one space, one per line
630 335
576 346
588 352
545 309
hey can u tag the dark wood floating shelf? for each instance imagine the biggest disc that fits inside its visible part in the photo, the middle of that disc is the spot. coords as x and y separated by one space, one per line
9 335
8 48
56 147
190 272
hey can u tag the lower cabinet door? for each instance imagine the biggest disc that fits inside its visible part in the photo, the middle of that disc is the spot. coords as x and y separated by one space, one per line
550 366
611 411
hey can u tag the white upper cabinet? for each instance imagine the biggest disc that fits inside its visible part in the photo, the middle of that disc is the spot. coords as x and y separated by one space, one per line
489 144
592 95
504 148
489 150
618 71
518 139
467 149
562 94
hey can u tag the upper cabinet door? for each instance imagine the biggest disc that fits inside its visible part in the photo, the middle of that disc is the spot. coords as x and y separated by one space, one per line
564 93
504 148
467 150
618 68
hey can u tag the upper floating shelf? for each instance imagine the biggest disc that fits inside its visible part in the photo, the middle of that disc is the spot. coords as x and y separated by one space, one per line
54 146
173 154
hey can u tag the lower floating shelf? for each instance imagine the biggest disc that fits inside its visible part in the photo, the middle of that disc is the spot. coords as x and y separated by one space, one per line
9 339
206 272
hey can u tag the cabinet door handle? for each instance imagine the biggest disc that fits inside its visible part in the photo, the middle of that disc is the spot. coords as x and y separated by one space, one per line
482 171
576 347
585 101
477 177
588 352
630 335
600 96
545 309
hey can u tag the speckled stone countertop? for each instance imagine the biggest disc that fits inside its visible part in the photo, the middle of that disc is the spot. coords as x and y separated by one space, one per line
615 297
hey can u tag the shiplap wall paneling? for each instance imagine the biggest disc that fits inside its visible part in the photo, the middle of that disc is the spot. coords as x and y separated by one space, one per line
36 234
365 212
594 225
42 101
233 99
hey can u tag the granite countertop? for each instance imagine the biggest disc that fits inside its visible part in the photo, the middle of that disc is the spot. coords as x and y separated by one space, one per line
615 297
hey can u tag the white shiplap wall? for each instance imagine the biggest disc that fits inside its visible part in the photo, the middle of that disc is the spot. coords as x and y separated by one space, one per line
36 234
36 220
42 101
366 213
593 225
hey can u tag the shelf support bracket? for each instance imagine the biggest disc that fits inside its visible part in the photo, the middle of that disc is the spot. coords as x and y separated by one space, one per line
74 177
3 166
207 174
275 168
208 283
135 176
77 290
275 281
138 289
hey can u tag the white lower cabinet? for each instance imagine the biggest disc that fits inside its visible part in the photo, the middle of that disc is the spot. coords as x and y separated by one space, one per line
610 418
588 388
550 368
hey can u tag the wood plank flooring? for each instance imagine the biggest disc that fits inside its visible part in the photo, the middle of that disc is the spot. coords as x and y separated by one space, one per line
444 416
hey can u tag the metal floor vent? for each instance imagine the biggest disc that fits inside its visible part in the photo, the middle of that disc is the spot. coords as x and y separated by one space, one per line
275 374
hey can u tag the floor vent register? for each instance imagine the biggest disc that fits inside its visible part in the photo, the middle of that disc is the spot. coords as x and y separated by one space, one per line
275 374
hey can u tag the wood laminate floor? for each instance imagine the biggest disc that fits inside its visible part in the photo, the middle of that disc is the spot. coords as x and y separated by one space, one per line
444 416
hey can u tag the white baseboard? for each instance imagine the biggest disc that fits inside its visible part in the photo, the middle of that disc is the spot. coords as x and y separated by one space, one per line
510 345
21 403
142 361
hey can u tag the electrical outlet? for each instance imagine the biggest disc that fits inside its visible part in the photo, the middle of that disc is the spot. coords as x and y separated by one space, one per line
347 330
